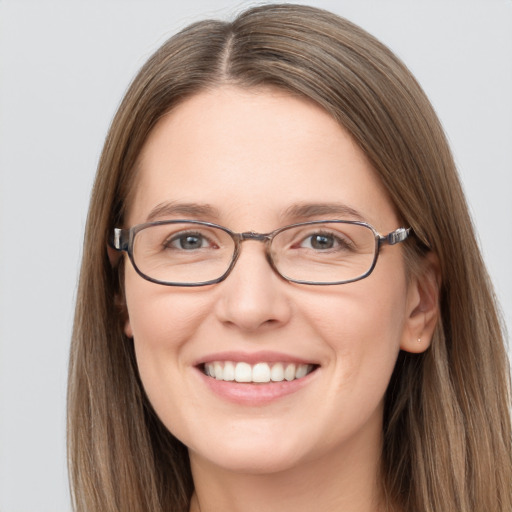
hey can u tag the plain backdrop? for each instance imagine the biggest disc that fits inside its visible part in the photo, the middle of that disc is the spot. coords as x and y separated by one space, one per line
63 69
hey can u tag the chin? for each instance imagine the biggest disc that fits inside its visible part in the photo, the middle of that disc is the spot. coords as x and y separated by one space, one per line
250 455
254 462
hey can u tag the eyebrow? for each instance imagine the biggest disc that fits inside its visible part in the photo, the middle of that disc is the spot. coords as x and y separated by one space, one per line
186 210
306 211
294 213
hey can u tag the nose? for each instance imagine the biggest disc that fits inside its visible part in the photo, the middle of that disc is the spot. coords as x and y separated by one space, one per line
253 296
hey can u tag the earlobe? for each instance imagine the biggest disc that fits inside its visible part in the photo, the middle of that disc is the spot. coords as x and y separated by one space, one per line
120 304
128 328
422 307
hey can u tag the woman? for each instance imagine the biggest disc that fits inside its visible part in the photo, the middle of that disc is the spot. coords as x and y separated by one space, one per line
282 304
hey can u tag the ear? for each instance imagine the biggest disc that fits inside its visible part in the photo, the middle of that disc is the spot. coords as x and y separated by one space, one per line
113 256
128 328
119 299
122 309
422 306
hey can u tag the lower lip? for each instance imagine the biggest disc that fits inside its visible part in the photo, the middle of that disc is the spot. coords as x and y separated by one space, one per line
255 394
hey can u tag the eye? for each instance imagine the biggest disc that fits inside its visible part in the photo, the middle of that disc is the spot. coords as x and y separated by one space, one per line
188 242
323 242
320 241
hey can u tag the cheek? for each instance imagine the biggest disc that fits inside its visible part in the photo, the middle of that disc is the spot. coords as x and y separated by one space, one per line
161 320
358 317
161 315
363 326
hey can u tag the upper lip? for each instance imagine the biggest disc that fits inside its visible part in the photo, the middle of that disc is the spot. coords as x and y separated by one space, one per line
254 357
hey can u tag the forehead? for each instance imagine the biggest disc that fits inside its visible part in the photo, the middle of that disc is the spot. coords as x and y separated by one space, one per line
251 155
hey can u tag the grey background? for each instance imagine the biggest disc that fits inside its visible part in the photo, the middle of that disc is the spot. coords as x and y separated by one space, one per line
63 69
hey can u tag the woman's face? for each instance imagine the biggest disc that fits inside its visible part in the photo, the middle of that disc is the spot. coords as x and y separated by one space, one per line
256 160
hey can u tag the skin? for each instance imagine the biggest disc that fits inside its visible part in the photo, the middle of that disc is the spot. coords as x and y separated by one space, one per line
251 155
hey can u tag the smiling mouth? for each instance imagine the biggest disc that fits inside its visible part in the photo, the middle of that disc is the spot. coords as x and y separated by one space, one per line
257 373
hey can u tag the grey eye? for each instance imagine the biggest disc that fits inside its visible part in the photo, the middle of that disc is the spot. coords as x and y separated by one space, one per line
188 241
320 241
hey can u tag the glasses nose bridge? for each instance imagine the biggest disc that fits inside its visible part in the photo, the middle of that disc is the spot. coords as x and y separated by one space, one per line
266 238
251 235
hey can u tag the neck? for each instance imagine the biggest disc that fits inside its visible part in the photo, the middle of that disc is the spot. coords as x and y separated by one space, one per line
347 480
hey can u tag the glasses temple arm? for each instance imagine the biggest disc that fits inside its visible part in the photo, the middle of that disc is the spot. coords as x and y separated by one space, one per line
395 237
119 240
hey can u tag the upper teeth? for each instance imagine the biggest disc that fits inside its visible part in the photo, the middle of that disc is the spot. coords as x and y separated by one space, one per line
260 372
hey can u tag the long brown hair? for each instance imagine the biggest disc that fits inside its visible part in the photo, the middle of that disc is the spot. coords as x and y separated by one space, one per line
447 431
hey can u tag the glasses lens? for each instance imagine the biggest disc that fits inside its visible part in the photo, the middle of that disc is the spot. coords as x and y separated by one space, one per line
182 252
326 252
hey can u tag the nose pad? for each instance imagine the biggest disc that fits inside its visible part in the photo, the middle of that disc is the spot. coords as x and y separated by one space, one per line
253 296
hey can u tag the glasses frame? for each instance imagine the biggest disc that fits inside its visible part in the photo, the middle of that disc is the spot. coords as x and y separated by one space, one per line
123 240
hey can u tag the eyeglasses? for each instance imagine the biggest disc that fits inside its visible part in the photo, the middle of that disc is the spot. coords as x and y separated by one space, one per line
196 253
